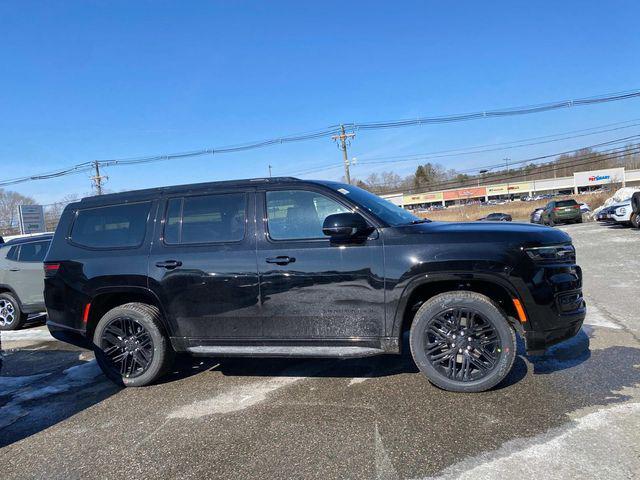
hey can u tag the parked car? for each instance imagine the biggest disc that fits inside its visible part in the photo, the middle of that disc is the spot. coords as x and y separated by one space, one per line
604 215
635 205
496 217
561 211
622 213
584 208
21 279
285 267
535 215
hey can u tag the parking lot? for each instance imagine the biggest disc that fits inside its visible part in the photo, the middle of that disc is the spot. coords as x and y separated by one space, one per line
572 413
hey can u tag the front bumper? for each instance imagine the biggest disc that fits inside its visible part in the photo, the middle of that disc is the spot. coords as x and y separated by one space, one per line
554 306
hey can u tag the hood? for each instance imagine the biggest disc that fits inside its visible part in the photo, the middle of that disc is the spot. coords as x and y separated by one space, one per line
523 234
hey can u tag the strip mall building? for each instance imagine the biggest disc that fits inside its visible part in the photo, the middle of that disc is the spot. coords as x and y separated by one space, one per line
580 182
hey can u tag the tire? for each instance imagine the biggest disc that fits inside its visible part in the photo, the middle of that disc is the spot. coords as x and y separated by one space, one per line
635 202
134 333
434 327
635 220
578 220
11 315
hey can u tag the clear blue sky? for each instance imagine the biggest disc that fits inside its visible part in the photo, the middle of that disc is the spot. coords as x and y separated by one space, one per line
104 79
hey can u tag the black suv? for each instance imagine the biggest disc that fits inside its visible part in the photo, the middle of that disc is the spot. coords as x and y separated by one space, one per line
284 267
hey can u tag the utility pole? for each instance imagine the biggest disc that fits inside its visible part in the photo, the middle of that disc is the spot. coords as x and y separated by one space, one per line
97 178
344 138
506 161
269 171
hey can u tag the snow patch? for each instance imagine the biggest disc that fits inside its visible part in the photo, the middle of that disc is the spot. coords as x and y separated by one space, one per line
33 334
73 377
596 318
542 456
240 397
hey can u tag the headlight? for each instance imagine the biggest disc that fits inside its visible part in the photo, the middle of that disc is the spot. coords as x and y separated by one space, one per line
552 253
621 211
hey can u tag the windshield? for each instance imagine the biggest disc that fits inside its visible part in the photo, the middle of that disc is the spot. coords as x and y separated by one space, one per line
386 211
566 203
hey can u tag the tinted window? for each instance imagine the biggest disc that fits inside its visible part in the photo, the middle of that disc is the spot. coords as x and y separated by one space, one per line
113 226
494 215
566 203
12 254
206 219
299 214
33 252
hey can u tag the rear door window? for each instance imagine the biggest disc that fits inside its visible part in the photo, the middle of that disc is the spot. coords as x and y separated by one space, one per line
33 252
206 219
114 226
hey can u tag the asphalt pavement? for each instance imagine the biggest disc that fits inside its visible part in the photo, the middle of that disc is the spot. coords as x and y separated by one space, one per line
573 413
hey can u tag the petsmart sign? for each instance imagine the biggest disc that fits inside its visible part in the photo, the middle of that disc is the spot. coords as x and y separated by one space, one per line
599 177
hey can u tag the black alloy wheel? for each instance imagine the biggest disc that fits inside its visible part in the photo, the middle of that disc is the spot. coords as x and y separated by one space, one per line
462 341
462 344
128 346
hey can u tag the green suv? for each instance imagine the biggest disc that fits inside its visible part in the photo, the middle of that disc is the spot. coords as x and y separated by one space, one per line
561 211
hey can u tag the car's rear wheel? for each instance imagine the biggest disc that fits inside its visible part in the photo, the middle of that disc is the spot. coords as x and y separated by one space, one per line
462 342
11 316
131 346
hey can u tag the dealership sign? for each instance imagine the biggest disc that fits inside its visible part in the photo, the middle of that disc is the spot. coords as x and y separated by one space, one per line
599 177
31 219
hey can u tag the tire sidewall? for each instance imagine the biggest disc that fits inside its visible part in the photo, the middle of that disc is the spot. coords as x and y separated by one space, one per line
491 312
160 347
635 220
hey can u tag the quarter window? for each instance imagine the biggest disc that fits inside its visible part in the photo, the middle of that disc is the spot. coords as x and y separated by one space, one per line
13 253
299 214
206 219
115 226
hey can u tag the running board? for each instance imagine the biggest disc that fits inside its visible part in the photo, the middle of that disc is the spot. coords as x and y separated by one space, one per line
284 351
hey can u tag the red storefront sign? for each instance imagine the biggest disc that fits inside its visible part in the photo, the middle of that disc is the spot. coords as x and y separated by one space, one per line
464 193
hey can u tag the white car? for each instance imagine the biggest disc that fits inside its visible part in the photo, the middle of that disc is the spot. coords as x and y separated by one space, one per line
622 213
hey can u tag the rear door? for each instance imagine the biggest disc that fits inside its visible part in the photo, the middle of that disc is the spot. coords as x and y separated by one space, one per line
312 289
26 275
203 265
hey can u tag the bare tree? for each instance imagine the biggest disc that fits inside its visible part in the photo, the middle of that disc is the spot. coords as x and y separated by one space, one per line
53 211
9 202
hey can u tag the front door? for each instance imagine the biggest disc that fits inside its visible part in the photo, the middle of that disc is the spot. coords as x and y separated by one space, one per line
311 288
203 266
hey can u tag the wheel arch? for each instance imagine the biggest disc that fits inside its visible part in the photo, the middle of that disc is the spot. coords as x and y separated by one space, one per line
7 289
422 289
106 299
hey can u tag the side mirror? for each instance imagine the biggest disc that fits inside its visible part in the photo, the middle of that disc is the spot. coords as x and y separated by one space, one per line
346 226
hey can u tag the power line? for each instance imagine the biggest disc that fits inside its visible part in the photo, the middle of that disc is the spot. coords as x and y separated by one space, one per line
573 162
494 165
335 130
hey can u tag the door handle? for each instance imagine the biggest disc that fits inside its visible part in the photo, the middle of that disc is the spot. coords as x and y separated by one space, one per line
281 260
13 269
169 264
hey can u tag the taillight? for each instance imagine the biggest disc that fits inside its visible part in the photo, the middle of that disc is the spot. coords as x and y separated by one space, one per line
576 206
556 209
50 269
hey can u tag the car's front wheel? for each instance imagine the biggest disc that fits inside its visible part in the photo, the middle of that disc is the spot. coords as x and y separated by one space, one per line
11 316
462 342
131 346
635 220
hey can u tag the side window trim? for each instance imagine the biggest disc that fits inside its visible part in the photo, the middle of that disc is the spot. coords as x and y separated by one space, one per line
182 198
325 239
